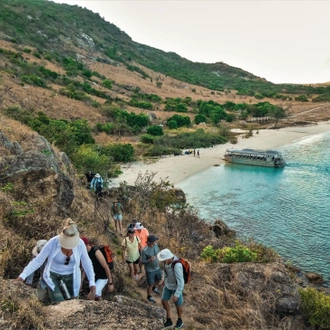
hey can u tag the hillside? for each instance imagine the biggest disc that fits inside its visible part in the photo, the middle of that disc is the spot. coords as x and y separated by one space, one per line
39 188
77 94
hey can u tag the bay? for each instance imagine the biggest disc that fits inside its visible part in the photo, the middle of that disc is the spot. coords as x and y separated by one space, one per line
283 208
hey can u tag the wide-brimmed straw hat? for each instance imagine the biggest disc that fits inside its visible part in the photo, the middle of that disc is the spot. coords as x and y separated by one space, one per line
40 244
97 175
69 237
165 255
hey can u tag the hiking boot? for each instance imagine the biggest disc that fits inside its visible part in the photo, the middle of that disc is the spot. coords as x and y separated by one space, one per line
151 299
155 290
168 324
179 324
136 277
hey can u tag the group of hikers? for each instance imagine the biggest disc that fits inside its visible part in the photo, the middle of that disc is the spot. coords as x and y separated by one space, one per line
66 259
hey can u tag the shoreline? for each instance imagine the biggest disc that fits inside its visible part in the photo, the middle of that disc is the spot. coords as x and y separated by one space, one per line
177 168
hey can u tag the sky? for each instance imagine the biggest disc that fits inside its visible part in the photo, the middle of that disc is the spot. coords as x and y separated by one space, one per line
282 41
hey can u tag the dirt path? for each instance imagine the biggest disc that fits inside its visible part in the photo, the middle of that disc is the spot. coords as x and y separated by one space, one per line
189 311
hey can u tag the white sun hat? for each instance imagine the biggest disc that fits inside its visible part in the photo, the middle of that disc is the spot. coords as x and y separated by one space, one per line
165 255
138 226
40 244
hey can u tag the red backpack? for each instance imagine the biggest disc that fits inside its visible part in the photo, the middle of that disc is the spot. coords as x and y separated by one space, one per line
186 268
108 255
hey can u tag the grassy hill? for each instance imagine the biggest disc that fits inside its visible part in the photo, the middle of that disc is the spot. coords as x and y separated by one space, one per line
88 88
59 28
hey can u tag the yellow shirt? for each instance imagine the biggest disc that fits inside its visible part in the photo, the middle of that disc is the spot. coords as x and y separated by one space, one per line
132 248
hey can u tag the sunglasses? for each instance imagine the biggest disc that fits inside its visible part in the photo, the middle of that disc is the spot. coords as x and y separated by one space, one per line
67 260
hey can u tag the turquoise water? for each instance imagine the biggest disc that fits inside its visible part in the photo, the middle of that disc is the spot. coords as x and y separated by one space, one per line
287 208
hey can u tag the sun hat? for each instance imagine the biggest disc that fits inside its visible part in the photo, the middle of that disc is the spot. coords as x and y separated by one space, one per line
131 230
97 175
69 237
85 239
152 239
165 255
40 244
138 226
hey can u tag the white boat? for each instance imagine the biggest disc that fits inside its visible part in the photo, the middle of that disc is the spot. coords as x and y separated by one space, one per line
256 157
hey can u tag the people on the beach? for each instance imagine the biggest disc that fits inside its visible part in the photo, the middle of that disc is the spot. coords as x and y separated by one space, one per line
151 265
63 255
194 152
117 214
97 185
131 247
198 153
102 271
174 284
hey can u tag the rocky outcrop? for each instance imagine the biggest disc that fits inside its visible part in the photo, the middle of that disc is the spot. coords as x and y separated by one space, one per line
221 229
314 278
119 313
268 282
37 173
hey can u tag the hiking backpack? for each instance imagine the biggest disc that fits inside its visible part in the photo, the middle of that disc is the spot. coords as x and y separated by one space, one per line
186 269
108 255
98 185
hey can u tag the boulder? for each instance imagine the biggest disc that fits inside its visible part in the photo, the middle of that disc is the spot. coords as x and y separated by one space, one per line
38 173
221 229
314 278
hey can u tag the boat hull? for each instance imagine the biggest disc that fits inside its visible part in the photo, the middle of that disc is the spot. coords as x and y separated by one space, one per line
251 162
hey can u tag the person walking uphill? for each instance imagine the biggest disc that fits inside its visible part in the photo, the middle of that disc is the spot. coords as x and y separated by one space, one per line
101 269
117 214
97 185
151 265
63 255
131 247
174 284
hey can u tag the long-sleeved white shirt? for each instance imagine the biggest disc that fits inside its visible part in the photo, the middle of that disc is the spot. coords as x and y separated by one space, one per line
49 251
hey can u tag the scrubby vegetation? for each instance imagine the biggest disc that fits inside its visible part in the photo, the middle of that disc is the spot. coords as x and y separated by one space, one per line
316 305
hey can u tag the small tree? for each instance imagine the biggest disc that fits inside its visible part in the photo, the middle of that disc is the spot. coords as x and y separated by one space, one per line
155 130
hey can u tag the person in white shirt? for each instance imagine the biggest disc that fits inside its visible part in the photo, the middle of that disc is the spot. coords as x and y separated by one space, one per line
63 254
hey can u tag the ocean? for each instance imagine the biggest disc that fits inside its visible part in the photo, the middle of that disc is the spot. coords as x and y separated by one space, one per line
287 208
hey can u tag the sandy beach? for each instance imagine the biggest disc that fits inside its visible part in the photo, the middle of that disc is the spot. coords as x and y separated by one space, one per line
177 168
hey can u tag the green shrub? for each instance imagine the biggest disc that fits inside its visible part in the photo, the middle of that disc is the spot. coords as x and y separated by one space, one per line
209 254
155 130
27 50
34 81
316 305
200 119
147 138
301 98
160 150
37 55
119 152
87 158
239 253
172 124
107 83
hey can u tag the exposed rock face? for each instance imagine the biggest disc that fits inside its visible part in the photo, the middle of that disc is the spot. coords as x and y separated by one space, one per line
314 278
36 173
121 313
221 229
268 282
